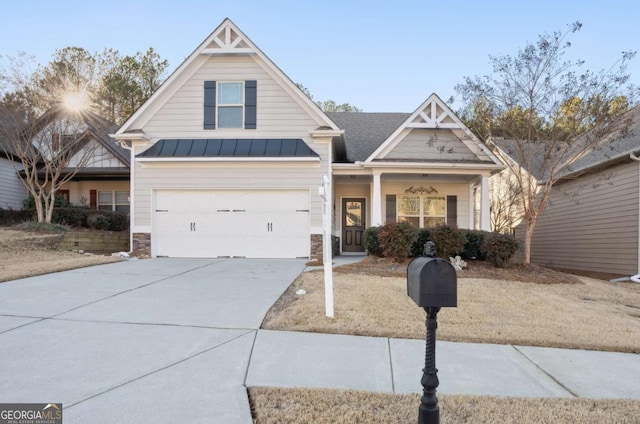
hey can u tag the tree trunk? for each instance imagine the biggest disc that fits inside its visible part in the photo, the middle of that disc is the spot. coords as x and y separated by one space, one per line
51 201
527 241
38 203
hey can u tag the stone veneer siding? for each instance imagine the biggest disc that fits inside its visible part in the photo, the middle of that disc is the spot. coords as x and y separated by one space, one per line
142 244
316 247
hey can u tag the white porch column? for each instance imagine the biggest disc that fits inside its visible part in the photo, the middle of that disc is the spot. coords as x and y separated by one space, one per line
485 219
376 202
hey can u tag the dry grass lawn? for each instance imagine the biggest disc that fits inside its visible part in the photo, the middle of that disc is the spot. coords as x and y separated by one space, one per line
25 254
277 405
591 314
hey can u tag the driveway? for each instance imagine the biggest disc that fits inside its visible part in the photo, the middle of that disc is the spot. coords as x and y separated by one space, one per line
159 340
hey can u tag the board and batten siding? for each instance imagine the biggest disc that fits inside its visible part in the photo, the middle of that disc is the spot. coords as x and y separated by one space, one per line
186 175
591 223
428 144
100 157
182 115
12 191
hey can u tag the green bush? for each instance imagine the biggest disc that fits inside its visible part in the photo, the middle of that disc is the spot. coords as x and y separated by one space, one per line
396 239
471 248
449 240
499 248
371 242
30 202
91 218
423 236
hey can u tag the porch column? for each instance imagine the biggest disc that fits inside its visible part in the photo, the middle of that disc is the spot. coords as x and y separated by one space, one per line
376 202
485 204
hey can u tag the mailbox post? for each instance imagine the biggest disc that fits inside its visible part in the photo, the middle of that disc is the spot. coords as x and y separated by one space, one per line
432 284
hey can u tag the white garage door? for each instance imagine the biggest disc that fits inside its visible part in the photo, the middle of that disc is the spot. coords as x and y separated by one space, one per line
251 224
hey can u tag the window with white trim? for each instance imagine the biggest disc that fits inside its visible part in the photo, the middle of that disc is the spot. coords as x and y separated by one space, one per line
115 201
230 104
422 211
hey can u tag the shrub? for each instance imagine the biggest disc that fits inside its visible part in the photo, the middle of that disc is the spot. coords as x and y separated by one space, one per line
471 248
30 202
71 216
449 240
12 217
396 239
91 218
423 236
42 227
499 248
371 242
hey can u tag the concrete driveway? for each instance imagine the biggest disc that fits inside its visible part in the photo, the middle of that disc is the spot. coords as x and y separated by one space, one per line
159 340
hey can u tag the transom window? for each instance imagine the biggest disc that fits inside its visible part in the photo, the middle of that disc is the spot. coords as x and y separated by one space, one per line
115 201
422 211
230 104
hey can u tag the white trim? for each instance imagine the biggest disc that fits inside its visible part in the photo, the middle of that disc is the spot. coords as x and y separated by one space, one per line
376 200
130 136
183 71
485 219
396 137
229 159
326 133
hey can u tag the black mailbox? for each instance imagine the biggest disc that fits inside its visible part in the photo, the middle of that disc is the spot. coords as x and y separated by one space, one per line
432 283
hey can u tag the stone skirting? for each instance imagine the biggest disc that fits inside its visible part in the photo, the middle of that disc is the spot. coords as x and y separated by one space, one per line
141 244
316 247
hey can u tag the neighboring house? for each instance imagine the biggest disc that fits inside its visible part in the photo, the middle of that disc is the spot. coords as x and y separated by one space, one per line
103 182
591 220
12 191
229 156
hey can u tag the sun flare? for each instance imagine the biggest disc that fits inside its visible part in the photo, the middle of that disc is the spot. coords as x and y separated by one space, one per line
75 101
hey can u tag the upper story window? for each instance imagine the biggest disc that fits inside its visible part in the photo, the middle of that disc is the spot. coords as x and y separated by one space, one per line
61 142
230 104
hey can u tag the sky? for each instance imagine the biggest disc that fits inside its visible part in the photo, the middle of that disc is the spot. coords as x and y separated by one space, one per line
381 56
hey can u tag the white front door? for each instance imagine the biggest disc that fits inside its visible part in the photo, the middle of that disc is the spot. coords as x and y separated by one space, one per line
252 224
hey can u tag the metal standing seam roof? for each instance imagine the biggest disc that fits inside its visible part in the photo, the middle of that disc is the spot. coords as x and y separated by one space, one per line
229 148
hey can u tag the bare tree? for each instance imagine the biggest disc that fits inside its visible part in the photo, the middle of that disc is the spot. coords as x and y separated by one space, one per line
47 148
552 111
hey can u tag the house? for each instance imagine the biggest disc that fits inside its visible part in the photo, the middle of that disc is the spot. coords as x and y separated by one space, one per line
591 220
228 156
12 191
102 182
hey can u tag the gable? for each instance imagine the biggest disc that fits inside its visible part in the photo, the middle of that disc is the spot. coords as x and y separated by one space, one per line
101 157
433 133
432 145
182 115
226 55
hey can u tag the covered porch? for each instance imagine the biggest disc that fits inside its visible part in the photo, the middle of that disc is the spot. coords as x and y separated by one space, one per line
424 196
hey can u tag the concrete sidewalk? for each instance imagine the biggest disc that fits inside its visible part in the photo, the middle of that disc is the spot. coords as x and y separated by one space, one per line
290 359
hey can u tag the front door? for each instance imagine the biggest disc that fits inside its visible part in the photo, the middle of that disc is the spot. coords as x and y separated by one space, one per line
353 225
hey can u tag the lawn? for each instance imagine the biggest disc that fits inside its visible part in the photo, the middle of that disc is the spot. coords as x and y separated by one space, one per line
582 313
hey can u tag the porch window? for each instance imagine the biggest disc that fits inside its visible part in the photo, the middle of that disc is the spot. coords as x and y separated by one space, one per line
422 211
115 201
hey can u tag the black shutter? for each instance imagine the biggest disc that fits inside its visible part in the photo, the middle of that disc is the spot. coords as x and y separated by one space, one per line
209 105
452 211
250 104
391 208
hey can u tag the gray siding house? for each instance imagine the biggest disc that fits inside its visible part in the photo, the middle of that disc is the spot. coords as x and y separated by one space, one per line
228 157
591 221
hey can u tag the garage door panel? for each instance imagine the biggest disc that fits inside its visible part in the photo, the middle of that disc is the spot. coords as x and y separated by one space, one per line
253 224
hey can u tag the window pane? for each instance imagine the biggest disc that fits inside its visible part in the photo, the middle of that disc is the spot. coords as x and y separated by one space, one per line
409 205
122 197
434 206
122 209
433 222
230 93
413 220
104 197
230 117
353 216
105 207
